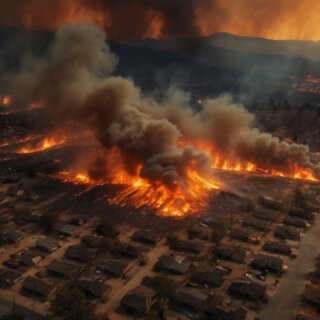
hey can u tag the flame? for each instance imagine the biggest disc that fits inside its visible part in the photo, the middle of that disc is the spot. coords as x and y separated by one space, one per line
5 101
179 200
45 144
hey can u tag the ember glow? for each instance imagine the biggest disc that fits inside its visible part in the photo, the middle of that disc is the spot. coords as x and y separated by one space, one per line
44 144
5 101
176 201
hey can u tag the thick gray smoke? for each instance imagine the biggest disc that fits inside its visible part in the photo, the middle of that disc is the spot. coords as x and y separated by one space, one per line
74 83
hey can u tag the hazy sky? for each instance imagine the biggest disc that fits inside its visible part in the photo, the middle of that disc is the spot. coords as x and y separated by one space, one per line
132 19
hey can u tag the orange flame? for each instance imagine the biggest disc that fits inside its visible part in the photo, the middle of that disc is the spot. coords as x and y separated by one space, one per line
5 101
45 144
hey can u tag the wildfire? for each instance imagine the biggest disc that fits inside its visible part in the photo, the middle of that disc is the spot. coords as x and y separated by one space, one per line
46 143
179 200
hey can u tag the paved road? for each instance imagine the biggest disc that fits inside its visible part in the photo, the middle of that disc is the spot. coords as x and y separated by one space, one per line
287 298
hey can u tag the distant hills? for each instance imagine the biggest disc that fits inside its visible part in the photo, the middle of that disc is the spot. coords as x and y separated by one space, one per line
249 68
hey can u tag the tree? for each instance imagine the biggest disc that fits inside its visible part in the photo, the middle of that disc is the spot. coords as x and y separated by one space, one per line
107 229
104 245
12 316
49 221
172 240
164 287
72 305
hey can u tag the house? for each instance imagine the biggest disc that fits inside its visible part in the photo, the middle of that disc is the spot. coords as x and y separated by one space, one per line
245 234
77 221
10 237
264 262
270 203
256 223
80 253
189 300
92 241
200 231
67 230
266 214
208 279
8 278
36 217
218 312
277 248
226 252
173 264
114 268
311 295
129 250
38 288
93 289
47 244
63 269
187 246
295 222
247 290
301 213
139 300
146 236
28 258
287 232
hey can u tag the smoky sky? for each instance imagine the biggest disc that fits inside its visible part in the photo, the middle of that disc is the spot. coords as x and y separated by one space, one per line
133 19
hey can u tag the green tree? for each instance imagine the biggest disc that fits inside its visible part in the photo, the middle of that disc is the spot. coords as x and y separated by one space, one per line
12 316
172 240
72 305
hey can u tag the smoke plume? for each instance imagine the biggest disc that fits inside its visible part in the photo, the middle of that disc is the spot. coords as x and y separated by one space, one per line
127 20
74 82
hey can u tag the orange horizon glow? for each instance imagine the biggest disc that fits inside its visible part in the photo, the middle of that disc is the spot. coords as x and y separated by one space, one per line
272 19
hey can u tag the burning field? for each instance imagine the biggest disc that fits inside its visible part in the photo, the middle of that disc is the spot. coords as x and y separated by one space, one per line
163 153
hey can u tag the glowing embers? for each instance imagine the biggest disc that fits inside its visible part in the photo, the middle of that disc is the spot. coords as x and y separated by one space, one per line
175 201
5 101
46 143
189 196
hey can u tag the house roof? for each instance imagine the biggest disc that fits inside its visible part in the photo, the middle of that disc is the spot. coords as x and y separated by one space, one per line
38 287
62 268
295 221
47 244
219 313
236 254
173 264
312 294
256 223
266 214
188 246
191 297
244 232
115 267
268 262
277 247
94 288
67 230
287 232
249 290
139 299
29 257
8 277
80 253
214 278
146 236
11 236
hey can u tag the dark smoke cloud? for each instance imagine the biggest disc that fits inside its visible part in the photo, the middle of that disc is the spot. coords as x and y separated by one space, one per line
74 82
132 19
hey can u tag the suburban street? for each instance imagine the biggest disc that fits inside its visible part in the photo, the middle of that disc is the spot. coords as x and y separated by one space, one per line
293 283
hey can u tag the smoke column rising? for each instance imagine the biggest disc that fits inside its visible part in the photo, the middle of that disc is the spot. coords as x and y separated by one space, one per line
74 82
